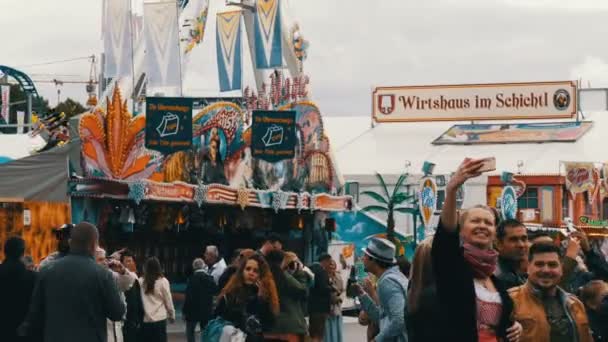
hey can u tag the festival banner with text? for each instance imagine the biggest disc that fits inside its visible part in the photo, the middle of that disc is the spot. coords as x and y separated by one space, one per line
538 100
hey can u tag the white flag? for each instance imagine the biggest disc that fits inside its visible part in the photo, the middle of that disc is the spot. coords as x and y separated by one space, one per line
163 68
117 38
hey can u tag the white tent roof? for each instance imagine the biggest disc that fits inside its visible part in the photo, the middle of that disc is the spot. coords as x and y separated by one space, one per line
17 146
362 150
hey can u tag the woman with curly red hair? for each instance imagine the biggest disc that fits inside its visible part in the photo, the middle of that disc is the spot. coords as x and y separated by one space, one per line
250 300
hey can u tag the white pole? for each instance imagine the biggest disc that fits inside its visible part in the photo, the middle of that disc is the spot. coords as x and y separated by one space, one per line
179 50
133 95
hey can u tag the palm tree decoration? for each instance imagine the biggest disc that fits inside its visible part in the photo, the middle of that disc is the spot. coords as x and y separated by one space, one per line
390 203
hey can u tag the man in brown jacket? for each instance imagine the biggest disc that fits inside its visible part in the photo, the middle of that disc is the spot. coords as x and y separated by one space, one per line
546 312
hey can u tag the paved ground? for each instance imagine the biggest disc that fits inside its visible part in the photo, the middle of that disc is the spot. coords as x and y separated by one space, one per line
353 332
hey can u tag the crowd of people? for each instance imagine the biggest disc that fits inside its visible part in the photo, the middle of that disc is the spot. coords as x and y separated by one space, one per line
478 279
80 294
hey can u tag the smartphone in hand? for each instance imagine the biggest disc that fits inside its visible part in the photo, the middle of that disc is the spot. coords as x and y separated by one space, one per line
488 164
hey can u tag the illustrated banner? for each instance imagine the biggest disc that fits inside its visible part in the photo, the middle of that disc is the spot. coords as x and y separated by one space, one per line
579 177
197 22
514 133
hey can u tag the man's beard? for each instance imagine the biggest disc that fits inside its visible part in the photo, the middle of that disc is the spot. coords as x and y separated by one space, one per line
545 288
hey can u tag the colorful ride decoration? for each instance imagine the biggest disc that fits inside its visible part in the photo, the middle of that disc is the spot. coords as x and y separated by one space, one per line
281 91
312 168
197 32
219 167
112 143
219 154
300 45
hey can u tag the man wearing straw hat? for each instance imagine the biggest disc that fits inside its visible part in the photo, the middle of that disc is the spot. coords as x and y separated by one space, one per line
379 259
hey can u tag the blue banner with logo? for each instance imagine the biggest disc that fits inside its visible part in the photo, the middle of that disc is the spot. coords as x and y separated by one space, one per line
168 124
228 45
268 35
273 135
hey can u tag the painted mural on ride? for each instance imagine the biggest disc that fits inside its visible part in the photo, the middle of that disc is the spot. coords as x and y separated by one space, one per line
113 144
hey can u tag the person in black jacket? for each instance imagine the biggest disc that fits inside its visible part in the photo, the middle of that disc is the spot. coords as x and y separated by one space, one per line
74 295
581 263
513 246
135 306
319 299
16 286
198 304
474 303
595 297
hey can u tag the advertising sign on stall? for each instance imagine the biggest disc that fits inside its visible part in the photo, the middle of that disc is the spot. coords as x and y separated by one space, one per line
168 124
579 177
274 137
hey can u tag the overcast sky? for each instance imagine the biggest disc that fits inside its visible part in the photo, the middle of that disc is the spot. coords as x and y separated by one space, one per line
358 44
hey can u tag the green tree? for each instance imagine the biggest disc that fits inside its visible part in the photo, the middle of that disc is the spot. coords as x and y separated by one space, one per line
390 202
70 108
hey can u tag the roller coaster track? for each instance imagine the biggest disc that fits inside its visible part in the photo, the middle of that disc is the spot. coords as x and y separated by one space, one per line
24 80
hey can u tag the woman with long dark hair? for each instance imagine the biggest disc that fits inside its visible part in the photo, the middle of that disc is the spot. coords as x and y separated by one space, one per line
234 266
290 325
158 304
423 307
333 327
250 300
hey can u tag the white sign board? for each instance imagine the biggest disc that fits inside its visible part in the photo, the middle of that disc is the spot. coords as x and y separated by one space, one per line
344 256
20 121
27 217
539 100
